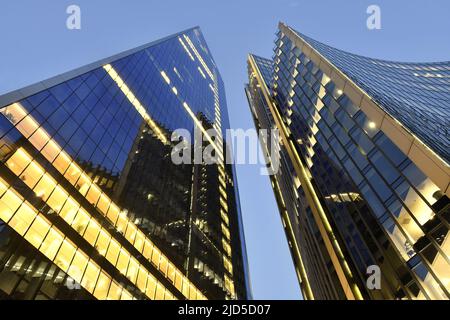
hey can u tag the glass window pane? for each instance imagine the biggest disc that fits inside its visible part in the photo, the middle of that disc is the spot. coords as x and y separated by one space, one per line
122 263
102 286
51 244
37 232
22 219
102 242
65 255
90 276
113 252
115 291
78 266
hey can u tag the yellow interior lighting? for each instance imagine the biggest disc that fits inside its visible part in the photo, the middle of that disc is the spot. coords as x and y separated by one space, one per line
199 57
21 216
186 49
78 218
75 175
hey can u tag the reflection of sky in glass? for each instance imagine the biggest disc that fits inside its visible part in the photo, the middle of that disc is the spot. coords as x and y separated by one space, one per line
410 31
416 94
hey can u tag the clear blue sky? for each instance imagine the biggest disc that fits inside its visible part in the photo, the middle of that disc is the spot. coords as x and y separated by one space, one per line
36 45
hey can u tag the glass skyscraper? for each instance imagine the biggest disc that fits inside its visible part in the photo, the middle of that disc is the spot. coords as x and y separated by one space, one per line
91 204
364 176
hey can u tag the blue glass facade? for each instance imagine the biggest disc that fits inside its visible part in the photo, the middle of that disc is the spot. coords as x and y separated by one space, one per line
378 205
416 94
90 155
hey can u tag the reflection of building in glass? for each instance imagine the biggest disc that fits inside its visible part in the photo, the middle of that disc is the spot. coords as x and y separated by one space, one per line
91 204
365 174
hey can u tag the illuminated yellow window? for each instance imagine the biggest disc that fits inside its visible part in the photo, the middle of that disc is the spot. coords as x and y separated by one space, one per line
27 127
32 174
83 185
62 162
171 272
131 232
69 210
163 265
222 192
102 286
115 291
90 276
122 263
221 171
148 249
18 162
73 173
227 264
225 231
57 199
229 285
103 203
192 292
81 221
37 232
142 279
113 213
185 289
92 232
113 252
224 216
168 295
151 287
226 247
126 295
155 257
93 195
178 280
102 242
200 295
78 265
9 204
39 139
45 187
51 244
139 242
133 269
3 187
65 255
159 292
22 219
121 223
5 211
222 181
14 112
224 204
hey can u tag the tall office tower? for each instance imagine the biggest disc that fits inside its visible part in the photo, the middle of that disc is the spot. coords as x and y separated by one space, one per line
363 184
91 203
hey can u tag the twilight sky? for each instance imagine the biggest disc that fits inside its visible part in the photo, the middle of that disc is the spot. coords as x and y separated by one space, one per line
35 45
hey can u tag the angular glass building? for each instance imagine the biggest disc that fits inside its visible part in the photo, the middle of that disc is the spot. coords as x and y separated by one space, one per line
91 204
363 186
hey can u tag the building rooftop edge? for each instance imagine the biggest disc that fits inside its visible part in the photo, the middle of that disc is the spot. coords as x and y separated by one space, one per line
21 93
